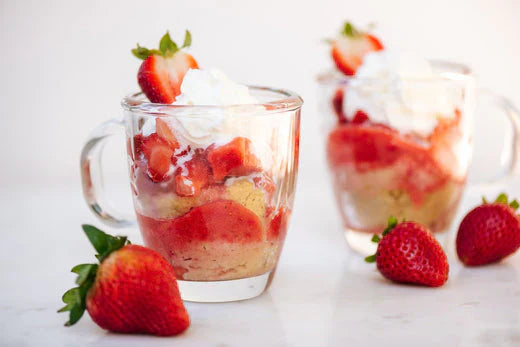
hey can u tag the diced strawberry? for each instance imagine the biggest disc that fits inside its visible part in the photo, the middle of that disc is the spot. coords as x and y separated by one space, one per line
278 225
360 117
137 145
164 132
374 147
162 71
158 153
233 159
337 105
196 178
350 48
363 146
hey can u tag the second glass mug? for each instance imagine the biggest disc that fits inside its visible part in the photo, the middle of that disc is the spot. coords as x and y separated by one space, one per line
219 211
381 167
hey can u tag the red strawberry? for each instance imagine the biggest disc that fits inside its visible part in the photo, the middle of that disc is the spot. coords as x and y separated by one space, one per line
166 133
132 290
194 177
161 74
360 117
158 152
137 146
233 159
278 225
337 105
409 253
350 48
489 232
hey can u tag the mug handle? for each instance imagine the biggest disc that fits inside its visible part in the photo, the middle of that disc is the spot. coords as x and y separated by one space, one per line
92 175
512 168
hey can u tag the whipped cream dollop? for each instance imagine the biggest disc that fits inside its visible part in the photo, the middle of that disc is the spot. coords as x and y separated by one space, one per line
401 90
212 87
209 88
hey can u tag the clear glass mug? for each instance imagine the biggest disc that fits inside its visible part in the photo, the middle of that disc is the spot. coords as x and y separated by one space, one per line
213 187
388 157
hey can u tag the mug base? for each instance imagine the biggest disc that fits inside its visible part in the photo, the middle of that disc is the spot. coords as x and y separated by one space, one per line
224 291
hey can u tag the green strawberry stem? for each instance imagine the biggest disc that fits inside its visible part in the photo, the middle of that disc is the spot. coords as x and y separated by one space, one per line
75 298
502 198
350 30
167 47
392 223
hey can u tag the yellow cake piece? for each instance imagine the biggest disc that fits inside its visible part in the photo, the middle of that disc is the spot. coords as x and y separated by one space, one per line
245 193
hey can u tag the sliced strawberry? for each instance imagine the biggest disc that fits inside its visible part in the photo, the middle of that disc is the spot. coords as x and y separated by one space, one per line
137 146
337 105
233 159
190 181
164 132
360 117
158 153
161 74
350 48
278 225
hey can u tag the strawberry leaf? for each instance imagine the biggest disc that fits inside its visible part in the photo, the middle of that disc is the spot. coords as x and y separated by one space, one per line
392 222
103 243
167 46
75 314
350 31
143 53
514 204
502 198
371 258
75 298
375 238
84 271
187 39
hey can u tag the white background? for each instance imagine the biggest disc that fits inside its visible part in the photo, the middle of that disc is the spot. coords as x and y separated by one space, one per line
65 65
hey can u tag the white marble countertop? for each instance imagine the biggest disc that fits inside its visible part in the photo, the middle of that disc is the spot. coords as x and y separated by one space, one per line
322 293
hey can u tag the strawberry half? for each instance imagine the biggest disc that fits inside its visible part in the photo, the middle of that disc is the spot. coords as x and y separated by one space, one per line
235 158
132 290
489 233
196 175
158 152
409 253
349 49
165 132
162 71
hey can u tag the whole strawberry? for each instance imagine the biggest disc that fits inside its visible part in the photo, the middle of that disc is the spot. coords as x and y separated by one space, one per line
409 253
489 233
162 71
132 290
351 46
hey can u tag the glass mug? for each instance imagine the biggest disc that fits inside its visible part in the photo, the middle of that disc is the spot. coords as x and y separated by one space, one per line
401 162
213 187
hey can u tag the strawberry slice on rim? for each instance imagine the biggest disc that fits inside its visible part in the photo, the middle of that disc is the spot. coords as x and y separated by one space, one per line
162 71
349 49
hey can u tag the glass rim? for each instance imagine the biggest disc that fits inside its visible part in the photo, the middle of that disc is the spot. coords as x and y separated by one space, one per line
452 72
288 101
